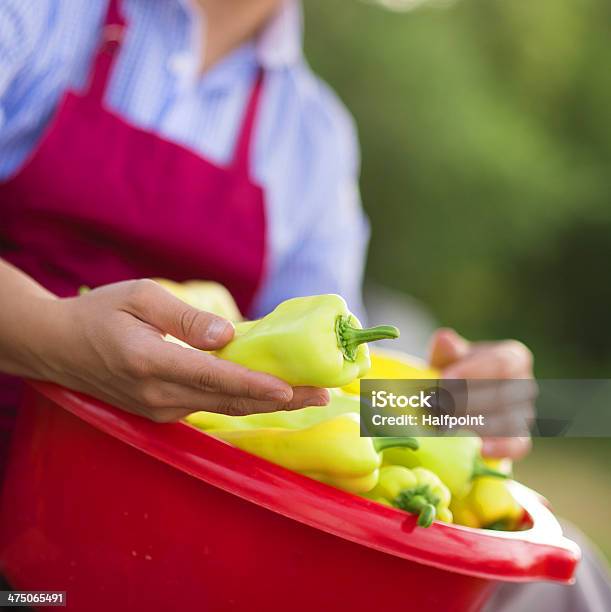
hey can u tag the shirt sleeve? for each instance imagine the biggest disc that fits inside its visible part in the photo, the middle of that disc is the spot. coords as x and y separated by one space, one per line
328 251
22 23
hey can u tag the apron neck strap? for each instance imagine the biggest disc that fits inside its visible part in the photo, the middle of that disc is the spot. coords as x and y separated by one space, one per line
243 147
110 42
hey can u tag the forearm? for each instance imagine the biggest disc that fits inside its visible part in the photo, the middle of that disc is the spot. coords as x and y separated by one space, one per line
109 343
26 322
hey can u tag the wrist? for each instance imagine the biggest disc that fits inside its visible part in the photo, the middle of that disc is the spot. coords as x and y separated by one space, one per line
37 338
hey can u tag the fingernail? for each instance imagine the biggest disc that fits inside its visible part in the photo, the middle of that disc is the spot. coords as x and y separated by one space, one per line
217 329
278 395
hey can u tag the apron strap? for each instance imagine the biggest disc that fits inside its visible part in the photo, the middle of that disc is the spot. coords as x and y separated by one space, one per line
110 43
241 154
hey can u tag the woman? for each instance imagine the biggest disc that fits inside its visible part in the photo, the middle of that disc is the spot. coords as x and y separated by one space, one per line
184 139
181 140
176 139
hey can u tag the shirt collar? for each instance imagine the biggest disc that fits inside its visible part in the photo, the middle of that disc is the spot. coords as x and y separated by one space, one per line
278 45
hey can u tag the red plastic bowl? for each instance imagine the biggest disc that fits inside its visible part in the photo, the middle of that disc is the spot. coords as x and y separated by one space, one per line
126 514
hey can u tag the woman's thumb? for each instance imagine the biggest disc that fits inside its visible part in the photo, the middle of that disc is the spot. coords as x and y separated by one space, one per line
200 329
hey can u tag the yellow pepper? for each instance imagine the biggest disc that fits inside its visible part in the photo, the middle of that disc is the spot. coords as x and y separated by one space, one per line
456 460
464 515
312 340
493 503
389 365
489 503
204 295
340 403
331 451
418 491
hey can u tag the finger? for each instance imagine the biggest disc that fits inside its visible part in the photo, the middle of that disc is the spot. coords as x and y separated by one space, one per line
447 347
508 359
202 371
170 402
309 396
513 448
502 408
509 423
496 395
150 302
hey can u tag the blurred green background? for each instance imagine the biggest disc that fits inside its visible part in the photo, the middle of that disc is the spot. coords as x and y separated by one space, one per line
485 128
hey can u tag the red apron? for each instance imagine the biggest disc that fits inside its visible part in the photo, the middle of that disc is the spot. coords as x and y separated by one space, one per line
101 201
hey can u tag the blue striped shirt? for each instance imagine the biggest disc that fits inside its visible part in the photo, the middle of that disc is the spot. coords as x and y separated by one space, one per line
305 153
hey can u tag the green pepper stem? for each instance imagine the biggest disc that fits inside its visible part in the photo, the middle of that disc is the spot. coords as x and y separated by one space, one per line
481 469
427 515
349 337
381 444
416 501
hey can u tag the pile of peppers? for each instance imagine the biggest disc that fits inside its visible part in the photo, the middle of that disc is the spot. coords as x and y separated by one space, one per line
317 341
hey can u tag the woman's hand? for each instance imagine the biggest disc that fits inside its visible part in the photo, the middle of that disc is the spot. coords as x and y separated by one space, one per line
505 360
109 343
